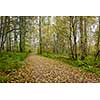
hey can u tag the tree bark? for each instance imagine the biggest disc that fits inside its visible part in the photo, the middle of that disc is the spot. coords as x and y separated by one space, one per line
40 35
70 38
98 43
81 39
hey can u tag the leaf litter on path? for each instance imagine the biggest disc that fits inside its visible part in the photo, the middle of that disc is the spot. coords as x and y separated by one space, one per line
40 69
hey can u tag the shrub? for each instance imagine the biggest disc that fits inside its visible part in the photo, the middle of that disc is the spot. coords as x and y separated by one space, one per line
11 61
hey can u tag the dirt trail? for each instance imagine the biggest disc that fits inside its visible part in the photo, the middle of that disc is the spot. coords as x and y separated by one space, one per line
40 69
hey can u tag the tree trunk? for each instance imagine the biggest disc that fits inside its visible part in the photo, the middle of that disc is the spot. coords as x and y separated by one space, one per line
70 38
40 36
74 25
8 39
22 33
85 36
98 42
81 39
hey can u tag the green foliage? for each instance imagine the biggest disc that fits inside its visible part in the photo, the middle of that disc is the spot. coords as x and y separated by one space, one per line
87 64
11 61
55 56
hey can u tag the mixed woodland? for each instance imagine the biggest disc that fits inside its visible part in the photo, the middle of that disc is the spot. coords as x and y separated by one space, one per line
74 40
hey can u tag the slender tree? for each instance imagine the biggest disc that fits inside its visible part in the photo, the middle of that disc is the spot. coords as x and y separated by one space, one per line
40 35
81 39
98 41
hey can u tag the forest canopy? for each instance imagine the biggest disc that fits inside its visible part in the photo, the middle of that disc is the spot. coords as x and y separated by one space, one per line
77 36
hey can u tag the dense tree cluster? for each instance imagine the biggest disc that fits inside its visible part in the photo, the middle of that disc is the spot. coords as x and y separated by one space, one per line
76 36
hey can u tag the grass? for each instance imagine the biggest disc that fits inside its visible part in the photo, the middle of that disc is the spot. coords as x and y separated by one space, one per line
87 65
11 61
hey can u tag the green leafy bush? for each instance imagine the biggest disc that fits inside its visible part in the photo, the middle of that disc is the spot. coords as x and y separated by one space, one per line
11 61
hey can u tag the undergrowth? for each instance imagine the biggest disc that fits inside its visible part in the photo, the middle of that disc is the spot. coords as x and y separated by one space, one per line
88 64
10 61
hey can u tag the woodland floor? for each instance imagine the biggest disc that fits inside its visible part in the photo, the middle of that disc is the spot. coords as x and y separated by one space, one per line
38 69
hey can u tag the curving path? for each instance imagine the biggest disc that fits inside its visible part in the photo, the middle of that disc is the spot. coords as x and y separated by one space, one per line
38 69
